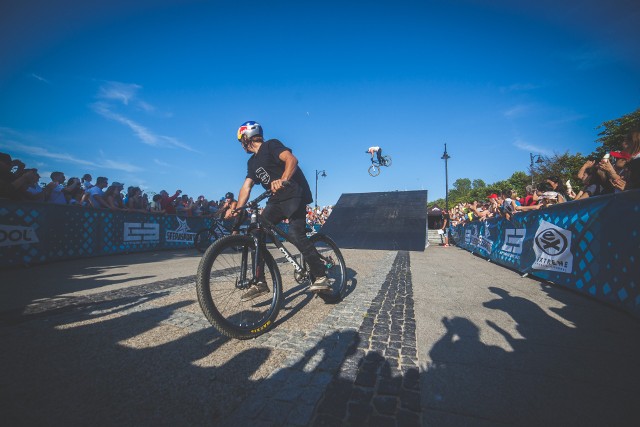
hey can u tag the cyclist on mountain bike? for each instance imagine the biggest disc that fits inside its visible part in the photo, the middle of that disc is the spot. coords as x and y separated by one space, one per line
270 164
378 152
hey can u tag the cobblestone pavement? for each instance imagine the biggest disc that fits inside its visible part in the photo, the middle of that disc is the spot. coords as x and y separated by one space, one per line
95 349
439 337
379 383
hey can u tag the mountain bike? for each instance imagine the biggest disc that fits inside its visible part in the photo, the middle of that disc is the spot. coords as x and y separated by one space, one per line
229 267
374 169
205 237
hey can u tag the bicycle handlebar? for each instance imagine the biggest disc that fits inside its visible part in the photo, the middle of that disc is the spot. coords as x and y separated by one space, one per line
254 203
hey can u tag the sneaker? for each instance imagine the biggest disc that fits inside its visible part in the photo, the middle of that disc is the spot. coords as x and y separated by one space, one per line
255 291
321 284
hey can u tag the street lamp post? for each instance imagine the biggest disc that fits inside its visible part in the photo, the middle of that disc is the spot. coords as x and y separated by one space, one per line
323 174
538 159
446 157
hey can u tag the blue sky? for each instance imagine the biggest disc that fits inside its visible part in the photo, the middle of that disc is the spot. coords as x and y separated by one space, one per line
152 93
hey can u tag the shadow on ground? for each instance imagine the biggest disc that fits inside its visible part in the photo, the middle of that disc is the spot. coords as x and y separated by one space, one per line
573 366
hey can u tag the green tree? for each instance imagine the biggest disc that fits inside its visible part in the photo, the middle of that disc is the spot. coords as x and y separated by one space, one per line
564 166
614 131
478 183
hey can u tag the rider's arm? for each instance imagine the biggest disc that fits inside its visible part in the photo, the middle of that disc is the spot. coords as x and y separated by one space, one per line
290 165
245 192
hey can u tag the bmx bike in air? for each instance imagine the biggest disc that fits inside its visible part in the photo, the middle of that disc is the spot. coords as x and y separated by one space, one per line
374 169
230 266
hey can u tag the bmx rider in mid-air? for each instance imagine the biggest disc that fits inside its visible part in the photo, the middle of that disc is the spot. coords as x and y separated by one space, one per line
378 152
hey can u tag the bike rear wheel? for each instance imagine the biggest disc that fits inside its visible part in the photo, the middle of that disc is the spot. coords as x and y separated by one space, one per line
224 275
335 267
374 170
387 160
203 239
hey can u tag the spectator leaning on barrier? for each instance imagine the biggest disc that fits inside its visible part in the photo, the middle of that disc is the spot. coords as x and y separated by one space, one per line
556 185
167 202
631 145
55 192
74 191
113 197
96 195
617 173
34 191
86 181
156 205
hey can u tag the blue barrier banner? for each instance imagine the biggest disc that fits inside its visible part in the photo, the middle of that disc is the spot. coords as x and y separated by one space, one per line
591 246
34 233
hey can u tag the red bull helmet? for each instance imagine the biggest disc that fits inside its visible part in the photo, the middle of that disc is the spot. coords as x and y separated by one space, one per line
249 129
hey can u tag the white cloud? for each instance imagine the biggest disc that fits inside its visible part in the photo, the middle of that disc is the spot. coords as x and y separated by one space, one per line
127 93
161 163
67 158
516 111
117 91
525 146
42 79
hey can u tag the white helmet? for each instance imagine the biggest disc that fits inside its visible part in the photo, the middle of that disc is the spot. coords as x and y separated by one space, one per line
249 129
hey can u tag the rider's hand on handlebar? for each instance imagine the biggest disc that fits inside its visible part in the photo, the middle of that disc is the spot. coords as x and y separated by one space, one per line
276 185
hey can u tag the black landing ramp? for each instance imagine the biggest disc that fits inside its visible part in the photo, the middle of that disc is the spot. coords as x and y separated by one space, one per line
394 220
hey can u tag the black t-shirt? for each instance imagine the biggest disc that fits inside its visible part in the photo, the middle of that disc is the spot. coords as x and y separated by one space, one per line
266 166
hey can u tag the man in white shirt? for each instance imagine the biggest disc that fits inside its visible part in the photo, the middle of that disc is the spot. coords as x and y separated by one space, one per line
378 152
96 195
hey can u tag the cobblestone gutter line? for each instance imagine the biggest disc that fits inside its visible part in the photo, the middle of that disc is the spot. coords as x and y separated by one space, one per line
378 383
290 395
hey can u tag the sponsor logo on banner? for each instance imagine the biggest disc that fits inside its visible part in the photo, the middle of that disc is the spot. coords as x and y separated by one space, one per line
552 246
11 235
475 236
182 234
467 236
140 232
485 244
511 249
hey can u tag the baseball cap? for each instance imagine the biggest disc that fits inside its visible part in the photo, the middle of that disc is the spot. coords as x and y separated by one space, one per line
493 196
621 155
117 184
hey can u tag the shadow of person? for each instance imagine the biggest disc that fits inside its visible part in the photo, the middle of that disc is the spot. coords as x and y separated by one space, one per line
126 366
461 384
565 370
289 395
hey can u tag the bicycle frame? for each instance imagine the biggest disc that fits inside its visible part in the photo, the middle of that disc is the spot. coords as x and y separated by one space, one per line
264 228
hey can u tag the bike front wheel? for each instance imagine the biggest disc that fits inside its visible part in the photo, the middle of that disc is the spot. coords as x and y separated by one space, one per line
224 275
374 170
334 264
203 239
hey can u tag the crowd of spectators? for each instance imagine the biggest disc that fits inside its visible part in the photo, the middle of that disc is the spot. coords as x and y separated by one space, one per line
22 184
318 215
617 171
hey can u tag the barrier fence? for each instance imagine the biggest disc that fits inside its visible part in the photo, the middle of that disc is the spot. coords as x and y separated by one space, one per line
591 246
35 233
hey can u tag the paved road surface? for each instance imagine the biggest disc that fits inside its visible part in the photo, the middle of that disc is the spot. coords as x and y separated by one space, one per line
439 337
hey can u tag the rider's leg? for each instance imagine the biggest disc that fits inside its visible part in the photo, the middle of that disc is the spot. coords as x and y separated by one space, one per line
298 236
260 287
379 153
